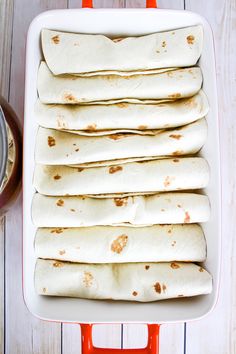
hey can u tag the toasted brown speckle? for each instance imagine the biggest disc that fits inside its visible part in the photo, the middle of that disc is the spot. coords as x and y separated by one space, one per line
122 105
175 160
179 206
44 290
57 264
80 169
62 252
163 44
69 98
58 230
142 127
190 39
164 288
119 243
175 95
169 231
114 169
56 39
73 210
201 269
87 279
51 141
77 149
157 288
147 267
177 153
174 265
167 181
91 127
187 217
173 243
175 136
116 40
180 295
134 293
57 177
121 201
162 209
117 136
60 202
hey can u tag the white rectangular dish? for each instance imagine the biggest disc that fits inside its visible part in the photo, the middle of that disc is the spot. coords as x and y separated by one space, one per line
120 22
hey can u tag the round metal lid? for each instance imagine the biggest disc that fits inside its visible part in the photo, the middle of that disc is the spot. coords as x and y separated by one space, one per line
3 146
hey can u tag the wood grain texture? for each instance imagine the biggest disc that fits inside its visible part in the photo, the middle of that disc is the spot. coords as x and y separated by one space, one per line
162 4
75 4
216 333
24 333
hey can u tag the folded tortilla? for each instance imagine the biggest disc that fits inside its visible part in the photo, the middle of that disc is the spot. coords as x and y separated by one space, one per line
107 244
55 147
133 282
149 176
163 208
72 89
81 53
123 116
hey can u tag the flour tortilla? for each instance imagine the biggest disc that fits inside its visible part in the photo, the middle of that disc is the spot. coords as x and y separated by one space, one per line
105 244
55 147
133 282
82 53
71 89
155 176
163 208
123 117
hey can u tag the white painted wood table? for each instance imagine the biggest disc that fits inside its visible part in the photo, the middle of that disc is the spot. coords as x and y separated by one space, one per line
20 332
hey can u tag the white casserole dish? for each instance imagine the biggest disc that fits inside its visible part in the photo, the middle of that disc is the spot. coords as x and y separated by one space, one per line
119 22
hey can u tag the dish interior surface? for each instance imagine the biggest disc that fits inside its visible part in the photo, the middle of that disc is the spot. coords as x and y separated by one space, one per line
115 23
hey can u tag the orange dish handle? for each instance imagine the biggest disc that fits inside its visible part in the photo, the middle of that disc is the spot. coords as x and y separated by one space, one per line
149 3
151 348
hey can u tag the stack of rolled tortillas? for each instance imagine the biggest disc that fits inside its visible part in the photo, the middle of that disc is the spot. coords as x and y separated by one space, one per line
118 204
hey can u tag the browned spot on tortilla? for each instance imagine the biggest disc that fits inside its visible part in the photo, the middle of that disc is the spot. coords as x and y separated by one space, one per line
61 124
179 206
169 231
147 267
60 202
158 51
167 181
56 39
175 136
73 210
76 43
74 144
87 279
122 105
117 136
91 127
58 230
163 44
58 264
169 73
134 293
121 201
119 243
162 209
190 102
180 295
69 98
177 153
187 217
174 265
80 169
62 252
173 243
114 169
77 149
164 287
157 287
175 160
51 141
201 269
57 177
175 95
44 290
142 127
172 32
190 39
116 40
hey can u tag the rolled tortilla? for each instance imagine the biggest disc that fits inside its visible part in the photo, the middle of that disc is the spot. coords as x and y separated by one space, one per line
55 147
106 244
163 175
163 208
74 53
71 89
133 282
122 115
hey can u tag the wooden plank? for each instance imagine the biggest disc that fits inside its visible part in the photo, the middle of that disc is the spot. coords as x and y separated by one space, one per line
6 20
97 3
216 333
24 333
171 336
